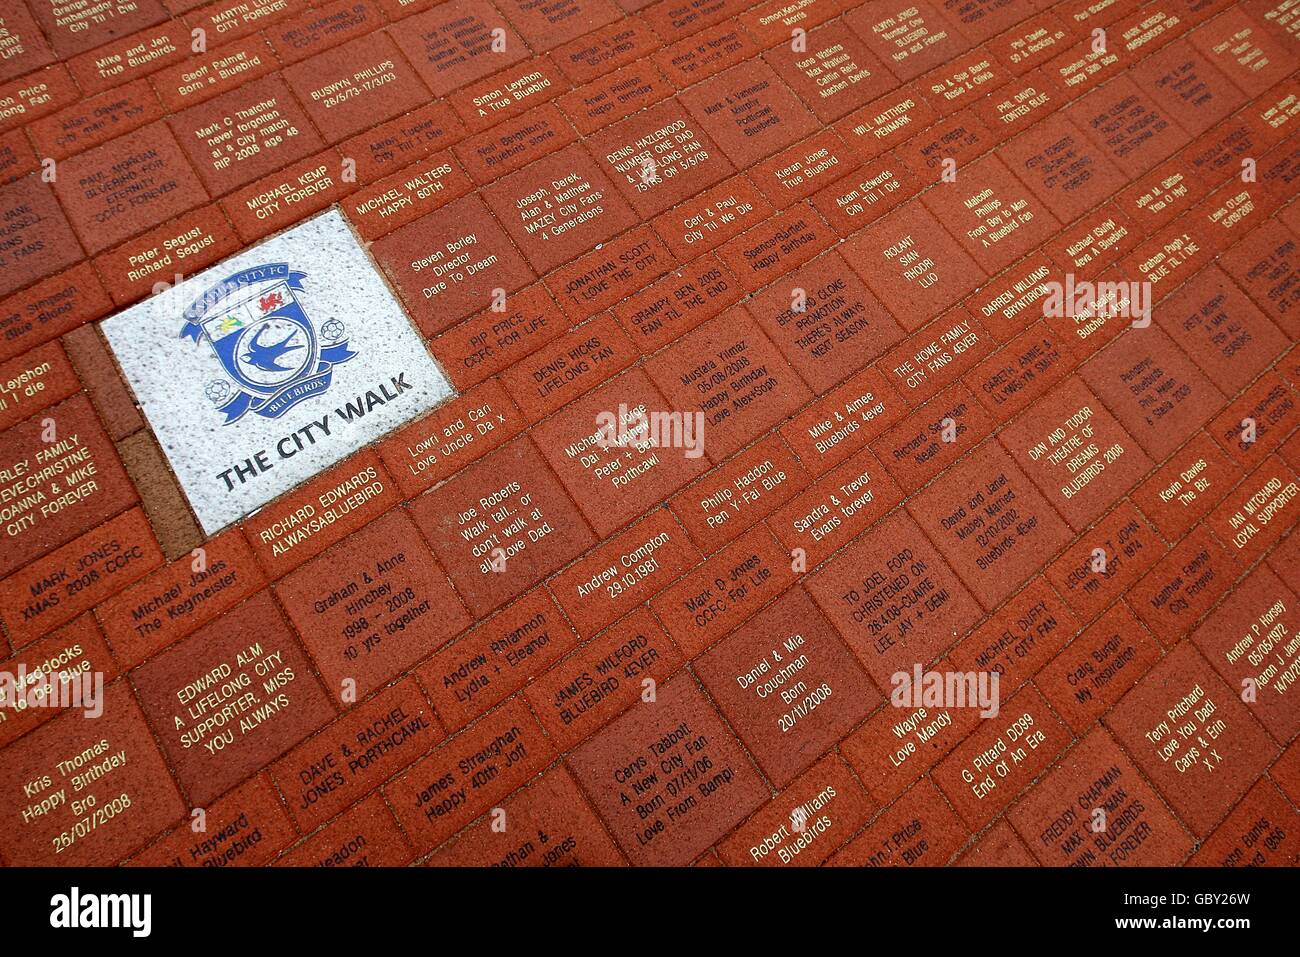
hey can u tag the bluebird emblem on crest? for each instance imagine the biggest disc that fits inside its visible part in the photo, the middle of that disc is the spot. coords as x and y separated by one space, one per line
267 346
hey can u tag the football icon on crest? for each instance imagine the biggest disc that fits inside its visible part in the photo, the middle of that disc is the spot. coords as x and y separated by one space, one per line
268 347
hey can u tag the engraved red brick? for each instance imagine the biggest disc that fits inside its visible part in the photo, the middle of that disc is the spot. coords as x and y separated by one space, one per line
732 374
804 824
285 197
232 19
465 776
71 34
39 819
671 306
1010 380
898 744
913 265
937 355
231 697
1268 268
429 450
1019 638
58 489
824 320
1257 513
1094 671
918 830
331 506
38 94
371 606
799 171
447 264
712 218
990 522
710 787
695 58
550 25
481 346
1098 240
193 242
1094 809
739 492
178 598
34 381
868 193
608 48
1256 422
1129 127
659 157
322 28
95 120
672 21
1031 43
834 72
36 237
1245 53
623 572
1187 731
506 511
130 58
886 122
393 145
241 136
1260 832
26 46
223 69
353 87
988 770
1106 560
55 589
515 143
933 437
1153 389
613 458
478 671
453 44
354 753
76 649
365 836
549 824
568 366
17 157
893 599
1248 639
836 508
1184 585
1076 453
843 421
610 273
245 828
909 38
788 686
603 678
509 93
730 587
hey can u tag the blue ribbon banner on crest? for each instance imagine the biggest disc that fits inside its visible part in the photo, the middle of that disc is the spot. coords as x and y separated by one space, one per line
271 407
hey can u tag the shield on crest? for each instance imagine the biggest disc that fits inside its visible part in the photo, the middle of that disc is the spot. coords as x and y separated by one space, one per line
260 333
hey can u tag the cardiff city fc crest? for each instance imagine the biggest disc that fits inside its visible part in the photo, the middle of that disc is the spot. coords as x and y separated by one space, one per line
272 353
